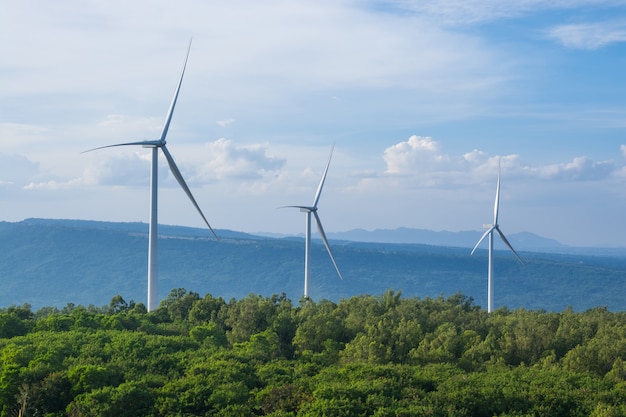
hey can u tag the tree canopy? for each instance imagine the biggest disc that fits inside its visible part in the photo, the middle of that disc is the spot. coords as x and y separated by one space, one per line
367 355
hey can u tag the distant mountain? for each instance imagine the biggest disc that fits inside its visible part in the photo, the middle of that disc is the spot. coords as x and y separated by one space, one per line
466 239
55 262
137 227
524 241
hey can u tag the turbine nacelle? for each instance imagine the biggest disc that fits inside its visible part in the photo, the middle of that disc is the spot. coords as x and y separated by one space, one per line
153 144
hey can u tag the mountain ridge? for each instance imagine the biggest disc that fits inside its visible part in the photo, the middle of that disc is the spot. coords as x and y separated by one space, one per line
47 262
525 241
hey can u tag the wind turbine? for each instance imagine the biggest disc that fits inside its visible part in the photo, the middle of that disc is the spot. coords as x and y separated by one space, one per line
307 245
155 145
490 229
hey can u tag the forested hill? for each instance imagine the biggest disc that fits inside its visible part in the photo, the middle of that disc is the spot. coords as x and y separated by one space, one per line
366 356
55 262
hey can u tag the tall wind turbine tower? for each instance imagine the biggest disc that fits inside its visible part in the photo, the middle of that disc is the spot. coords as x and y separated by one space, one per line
312 209
155 145
490 229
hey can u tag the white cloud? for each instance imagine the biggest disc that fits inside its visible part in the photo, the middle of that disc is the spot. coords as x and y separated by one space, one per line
17 170
455 12
467 11
418 153
123 169
219 160
589 35
283 48
225 122
572 35
53 185
226 160
420 161
16 135
20 173
623 149
127 128
579 169
421 158
475 157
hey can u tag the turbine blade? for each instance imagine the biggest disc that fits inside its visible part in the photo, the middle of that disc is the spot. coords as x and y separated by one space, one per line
504 239
482 238
142 143
319 187
299 207
497 202
323 235
183 184
170 112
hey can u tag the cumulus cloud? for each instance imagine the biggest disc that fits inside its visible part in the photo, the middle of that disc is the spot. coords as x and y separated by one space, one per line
228 160
420 161
579 169
475 157
589 35
417 153
219 160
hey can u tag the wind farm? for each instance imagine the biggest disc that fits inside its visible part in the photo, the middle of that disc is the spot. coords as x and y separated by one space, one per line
155 145
312 209
388 124
415 144
494 227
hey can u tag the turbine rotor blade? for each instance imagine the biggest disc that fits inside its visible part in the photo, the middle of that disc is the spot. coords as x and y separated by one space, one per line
323 235
149 143
170 111
307 208
497 202
504 239
319 187
482 238
183 184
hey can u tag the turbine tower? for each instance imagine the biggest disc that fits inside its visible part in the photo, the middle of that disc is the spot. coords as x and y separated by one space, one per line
155 145
307 245
490 229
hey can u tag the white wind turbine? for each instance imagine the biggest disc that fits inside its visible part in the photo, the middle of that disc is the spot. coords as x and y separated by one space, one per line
307 245
153 233
490 229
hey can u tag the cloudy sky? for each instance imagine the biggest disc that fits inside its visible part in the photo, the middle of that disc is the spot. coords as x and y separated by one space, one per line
421 98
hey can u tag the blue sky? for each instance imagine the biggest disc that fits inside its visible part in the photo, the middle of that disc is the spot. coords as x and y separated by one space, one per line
421 98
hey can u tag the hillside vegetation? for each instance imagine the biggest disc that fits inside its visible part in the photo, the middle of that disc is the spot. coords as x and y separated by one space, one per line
54 262
361 356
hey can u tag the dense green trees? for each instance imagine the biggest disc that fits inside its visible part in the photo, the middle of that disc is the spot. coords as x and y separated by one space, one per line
364 356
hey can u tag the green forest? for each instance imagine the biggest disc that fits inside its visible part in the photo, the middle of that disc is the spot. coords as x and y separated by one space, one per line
368 355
